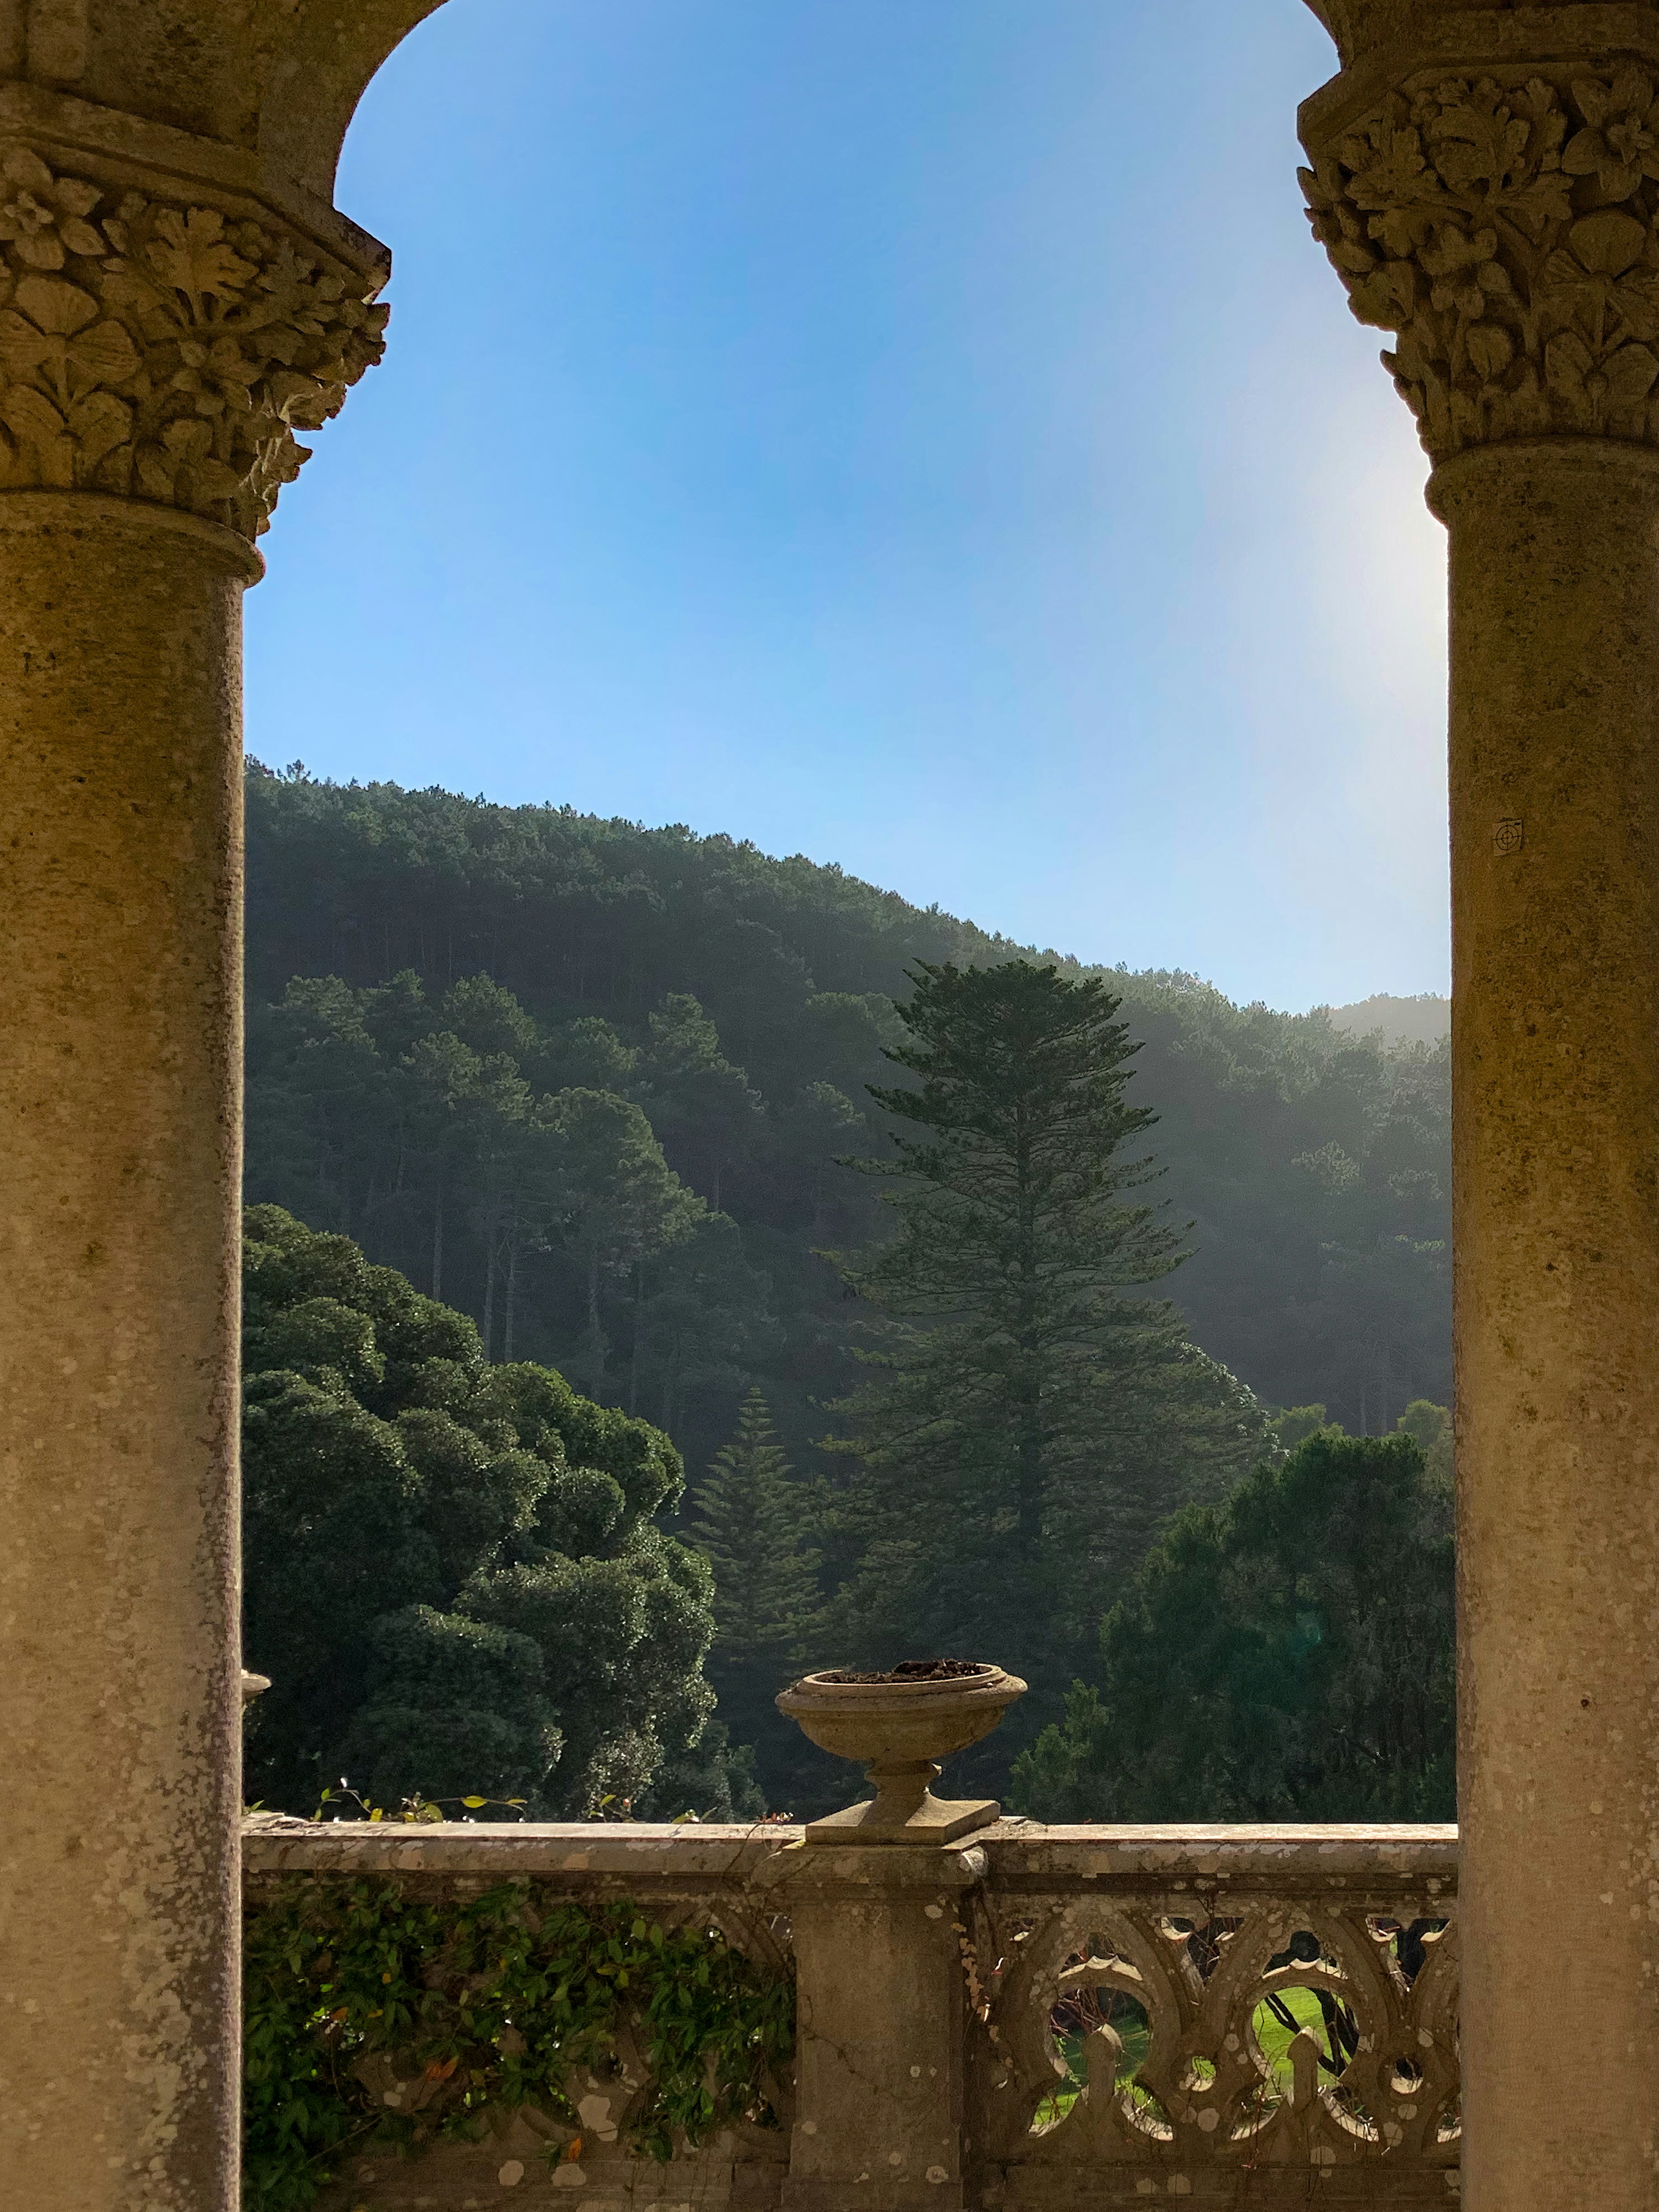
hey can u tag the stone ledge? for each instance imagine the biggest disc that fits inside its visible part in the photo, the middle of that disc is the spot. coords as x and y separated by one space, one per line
695 1852
1024 1854
1016 1853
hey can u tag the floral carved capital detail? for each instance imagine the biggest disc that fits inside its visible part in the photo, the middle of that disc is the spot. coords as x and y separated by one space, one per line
166 351
1508 235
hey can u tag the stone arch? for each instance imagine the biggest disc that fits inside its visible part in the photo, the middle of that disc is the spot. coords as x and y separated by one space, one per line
179 296
278 78
320 73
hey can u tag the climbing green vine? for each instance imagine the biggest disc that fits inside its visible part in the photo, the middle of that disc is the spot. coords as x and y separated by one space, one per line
487 2003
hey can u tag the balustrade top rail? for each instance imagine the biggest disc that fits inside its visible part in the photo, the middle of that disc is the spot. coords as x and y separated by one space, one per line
273 1843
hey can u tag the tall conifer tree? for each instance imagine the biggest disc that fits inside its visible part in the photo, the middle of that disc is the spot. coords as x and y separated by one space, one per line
1034 1416
748 1525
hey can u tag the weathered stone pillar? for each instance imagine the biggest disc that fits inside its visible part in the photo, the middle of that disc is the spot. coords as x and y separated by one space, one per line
880 2066
159 332
1486 186
1555 842
119 999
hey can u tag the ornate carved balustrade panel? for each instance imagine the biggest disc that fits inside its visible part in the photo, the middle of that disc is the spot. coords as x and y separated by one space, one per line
1235 2015
1239 2016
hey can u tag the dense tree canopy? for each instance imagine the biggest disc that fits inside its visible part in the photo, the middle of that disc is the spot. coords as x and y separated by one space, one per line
423 1131
1313 1165
595 1088
453 1572
1289 1654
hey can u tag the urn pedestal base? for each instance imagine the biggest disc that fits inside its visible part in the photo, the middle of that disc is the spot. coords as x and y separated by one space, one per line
935 1820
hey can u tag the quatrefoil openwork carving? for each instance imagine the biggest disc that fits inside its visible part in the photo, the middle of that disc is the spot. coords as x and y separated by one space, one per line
1253 2034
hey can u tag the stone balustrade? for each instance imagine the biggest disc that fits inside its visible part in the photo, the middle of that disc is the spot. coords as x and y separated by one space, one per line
1034 2017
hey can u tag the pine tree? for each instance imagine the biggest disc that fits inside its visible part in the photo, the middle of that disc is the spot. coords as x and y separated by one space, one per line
1036 1417
1288 1655
748 1525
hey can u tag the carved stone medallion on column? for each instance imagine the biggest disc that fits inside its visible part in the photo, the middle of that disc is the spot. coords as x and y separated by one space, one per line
165 330
1486 183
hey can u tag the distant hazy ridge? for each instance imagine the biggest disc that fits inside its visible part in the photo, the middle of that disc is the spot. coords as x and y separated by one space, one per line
1423 1020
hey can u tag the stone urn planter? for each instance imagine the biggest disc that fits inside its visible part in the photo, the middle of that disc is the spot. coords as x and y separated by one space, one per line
900 1725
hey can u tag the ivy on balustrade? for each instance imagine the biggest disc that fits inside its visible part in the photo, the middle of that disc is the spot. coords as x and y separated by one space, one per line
487 2003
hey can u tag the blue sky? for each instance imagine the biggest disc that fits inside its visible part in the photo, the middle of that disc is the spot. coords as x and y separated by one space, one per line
920 433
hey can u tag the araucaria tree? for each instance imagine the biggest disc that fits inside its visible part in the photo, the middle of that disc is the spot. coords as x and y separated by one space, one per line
1033 1417
748 1526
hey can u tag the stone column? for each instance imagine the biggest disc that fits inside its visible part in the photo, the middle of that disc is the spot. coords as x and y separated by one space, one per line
156 343
1555 931
882 2012
1496 210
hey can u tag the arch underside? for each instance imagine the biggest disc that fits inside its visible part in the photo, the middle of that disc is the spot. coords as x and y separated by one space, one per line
280 79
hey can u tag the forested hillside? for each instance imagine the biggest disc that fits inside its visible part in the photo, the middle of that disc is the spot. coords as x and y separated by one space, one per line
591 1082
1424 1019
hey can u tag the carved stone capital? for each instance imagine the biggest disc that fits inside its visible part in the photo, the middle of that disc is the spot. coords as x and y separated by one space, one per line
159 346
1504 225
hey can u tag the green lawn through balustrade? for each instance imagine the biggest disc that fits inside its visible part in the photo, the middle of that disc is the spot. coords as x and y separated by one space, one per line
1272 2037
